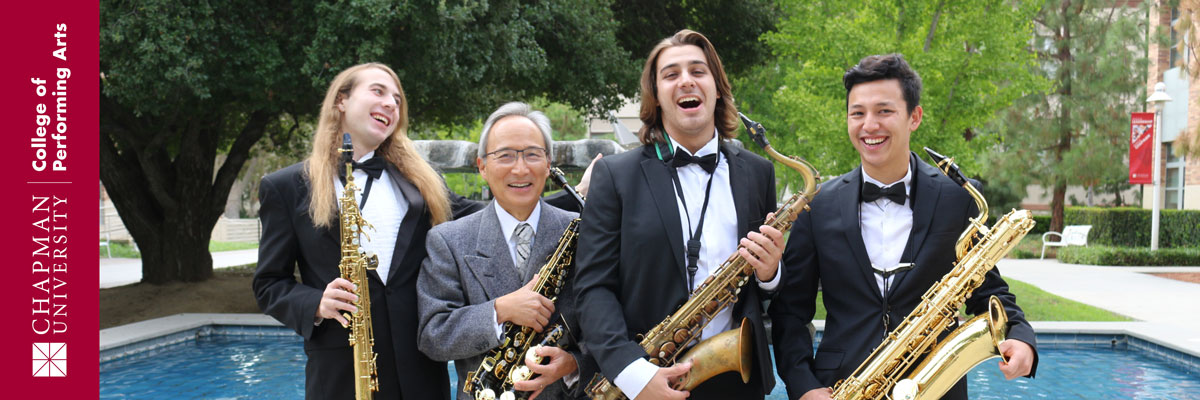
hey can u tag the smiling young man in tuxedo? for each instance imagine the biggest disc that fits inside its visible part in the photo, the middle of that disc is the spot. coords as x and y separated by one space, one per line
482 269
686 183
876 239
301 230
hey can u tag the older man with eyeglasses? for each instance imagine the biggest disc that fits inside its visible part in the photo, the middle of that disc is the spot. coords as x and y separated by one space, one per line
481 269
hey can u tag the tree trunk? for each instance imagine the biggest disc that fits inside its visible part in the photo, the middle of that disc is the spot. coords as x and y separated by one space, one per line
178 253
1057 209
170 204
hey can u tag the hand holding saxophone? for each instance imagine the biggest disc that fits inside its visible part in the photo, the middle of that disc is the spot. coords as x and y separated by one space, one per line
1020 358
661 387
525 307
338 298
762 250
561 363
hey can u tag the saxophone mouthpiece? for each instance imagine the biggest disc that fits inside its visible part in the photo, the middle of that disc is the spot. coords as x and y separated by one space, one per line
947 166
757 132
347 149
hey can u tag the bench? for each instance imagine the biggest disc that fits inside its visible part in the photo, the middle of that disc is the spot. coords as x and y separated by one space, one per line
1072 235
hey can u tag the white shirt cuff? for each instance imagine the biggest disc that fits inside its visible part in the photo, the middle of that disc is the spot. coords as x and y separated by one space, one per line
774 283
635 377
499 326
571 379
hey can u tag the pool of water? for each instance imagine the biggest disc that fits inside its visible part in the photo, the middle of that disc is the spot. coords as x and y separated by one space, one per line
244 367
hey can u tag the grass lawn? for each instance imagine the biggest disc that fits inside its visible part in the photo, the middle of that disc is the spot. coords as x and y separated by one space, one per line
122 250
1039 306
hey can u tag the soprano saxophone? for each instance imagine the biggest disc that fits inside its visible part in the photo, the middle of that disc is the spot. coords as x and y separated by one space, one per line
887 368
504 366
353 266
731 350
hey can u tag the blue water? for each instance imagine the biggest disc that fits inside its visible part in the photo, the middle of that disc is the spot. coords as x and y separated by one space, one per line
241 367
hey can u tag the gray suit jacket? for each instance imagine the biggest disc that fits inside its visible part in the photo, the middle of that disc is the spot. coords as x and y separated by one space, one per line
468 267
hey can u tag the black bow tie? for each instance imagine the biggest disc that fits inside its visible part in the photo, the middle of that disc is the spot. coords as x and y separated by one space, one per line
682 159
895 193
372 166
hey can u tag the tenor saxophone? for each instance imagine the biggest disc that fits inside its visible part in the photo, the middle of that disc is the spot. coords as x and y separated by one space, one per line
730 350
503 366
353 266
977 250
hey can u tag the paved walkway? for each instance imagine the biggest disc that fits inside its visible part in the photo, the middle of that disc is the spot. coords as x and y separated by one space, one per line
124 271
1128 291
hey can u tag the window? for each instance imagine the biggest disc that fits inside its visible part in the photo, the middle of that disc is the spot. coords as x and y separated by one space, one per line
1172 179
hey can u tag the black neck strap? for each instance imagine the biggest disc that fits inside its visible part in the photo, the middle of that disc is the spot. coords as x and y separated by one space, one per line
693 243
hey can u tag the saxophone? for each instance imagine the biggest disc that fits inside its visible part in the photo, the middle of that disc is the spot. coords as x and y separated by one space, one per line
977 250
504 366
354 265
730 350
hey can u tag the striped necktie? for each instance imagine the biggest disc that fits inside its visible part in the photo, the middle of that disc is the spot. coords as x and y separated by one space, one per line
523 235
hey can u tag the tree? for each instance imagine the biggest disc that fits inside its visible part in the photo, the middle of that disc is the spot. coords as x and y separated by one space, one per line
970 54
733 26
182 83
1188 28
1076 134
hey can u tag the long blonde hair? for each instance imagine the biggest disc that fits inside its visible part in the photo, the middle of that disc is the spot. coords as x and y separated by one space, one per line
322 164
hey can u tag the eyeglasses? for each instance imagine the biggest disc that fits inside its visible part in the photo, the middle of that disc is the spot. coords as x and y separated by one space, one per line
508 157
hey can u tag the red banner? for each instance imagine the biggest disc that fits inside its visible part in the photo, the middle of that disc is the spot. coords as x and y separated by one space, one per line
51 83
1141 148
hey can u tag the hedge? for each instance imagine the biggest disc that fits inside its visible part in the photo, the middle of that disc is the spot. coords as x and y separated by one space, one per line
1139 256
1130 227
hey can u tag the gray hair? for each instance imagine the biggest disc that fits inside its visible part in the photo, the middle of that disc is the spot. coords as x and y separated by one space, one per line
519 109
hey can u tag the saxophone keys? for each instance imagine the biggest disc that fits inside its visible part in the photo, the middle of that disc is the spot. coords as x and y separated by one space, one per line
531 356
681 335
509 395
520 374
666 350
905 389
485 394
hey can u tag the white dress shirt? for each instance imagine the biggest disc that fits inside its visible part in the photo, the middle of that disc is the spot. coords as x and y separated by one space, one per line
385 210
508 226
885 229
718 241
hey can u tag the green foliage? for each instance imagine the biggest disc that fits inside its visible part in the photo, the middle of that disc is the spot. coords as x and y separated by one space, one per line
1130 227
971 57
733 26
1129 256
1042 225
1077 133
182 83
1030 246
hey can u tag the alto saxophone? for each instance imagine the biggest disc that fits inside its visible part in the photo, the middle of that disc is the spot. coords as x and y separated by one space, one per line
504 365
353 266
971 344
730 350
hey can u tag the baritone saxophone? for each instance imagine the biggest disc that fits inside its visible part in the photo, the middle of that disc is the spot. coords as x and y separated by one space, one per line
353 266
731 350
504 366
887 369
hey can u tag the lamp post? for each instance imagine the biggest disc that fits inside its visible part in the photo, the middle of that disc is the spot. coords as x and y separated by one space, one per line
1158 99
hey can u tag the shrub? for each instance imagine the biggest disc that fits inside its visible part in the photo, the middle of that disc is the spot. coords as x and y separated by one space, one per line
1128 256
1130 227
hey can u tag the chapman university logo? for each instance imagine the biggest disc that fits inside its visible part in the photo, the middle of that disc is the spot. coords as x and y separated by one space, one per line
49 359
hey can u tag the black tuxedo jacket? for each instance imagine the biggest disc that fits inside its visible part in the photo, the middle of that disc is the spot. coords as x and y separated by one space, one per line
630 272
826 247
290 241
